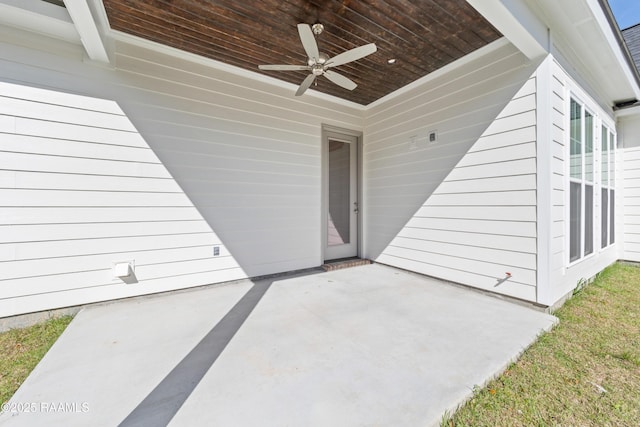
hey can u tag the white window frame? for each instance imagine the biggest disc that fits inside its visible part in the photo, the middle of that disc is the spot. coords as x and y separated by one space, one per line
610 186
582 181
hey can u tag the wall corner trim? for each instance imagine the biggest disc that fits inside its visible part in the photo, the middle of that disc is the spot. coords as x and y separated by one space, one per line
544 293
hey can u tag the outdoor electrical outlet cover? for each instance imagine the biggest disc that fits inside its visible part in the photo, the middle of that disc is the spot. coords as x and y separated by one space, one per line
216 250
433 137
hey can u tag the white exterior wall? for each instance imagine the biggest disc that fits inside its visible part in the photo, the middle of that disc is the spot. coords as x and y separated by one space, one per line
629 145
79 190
162 157
463 209
565 276
238 165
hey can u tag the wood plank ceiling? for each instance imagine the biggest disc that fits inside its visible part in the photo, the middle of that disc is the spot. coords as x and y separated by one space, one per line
422 35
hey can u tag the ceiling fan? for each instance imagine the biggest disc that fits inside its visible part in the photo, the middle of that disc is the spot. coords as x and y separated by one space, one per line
319 63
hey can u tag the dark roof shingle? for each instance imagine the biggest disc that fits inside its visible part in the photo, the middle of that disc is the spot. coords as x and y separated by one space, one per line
632 39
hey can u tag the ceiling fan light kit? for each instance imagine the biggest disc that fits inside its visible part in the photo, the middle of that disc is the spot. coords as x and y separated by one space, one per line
317 28
319 63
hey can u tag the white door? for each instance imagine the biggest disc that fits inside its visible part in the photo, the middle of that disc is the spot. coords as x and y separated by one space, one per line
341 196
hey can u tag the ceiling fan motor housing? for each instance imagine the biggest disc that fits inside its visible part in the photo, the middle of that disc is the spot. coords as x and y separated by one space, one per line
321 60
319 63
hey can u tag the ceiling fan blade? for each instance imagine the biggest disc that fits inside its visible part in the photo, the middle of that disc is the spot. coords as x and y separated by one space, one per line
340 80
308 41
352 55
305 84
284 67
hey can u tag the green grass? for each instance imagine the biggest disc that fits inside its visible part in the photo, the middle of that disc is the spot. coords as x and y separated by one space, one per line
22 349
585 372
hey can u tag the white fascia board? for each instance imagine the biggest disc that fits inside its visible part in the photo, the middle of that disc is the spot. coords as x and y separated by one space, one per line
628 112
612 41
517 23
88 29
39 17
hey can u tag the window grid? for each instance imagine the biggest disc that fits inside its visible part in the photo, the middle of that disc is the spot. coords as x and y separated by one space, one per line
592 147
607 185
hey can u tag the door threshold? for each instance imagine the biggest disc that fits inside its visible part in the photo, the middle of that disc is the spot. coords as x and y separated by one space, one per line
337 264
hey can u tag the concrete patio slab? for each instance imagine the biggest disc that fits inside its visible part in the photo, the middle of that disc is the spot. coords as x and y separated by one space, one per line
366 346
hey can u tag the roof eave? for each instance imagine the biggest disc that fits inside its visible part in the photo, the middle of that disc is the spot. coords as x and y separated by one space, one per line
622 45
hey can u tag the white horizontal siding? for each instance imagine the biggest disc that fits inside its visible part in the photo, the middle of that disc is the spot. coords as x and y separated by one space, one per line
63 265
67 181
470 215
58 112
82 166
46 232
499 213
94 215
84 294
27 144
28 286
65 131
156 161
564 277
630 137
58 195
251 168
480 254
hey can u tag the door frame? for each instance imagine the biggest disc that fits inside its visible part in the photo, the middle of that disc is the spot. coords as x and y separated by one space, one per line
324 187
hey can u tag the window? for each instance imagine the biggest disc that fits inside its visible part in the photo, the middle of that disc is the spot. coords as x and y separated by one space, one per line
608 192
591 186
581 182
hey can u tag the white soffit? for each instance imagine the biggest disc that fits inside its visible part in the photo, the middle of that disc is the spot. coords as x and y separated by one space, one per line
582 29
517 23
88 29
39 17
611 39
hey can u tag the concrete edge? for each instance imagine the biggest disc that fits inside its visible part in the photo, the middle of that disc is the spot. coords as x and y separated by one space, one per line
29 319
453 409
521 302
20 321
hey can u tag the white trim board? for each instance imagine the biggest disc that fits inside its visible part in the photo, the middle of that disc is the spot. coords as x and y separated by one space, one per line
517 23
491 47
168 50
39 17
544 176
192 57
88 29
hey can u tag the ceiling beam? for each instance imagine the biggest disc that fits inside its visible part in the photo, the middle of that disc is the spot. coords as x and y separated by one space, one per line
88 29
517 23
